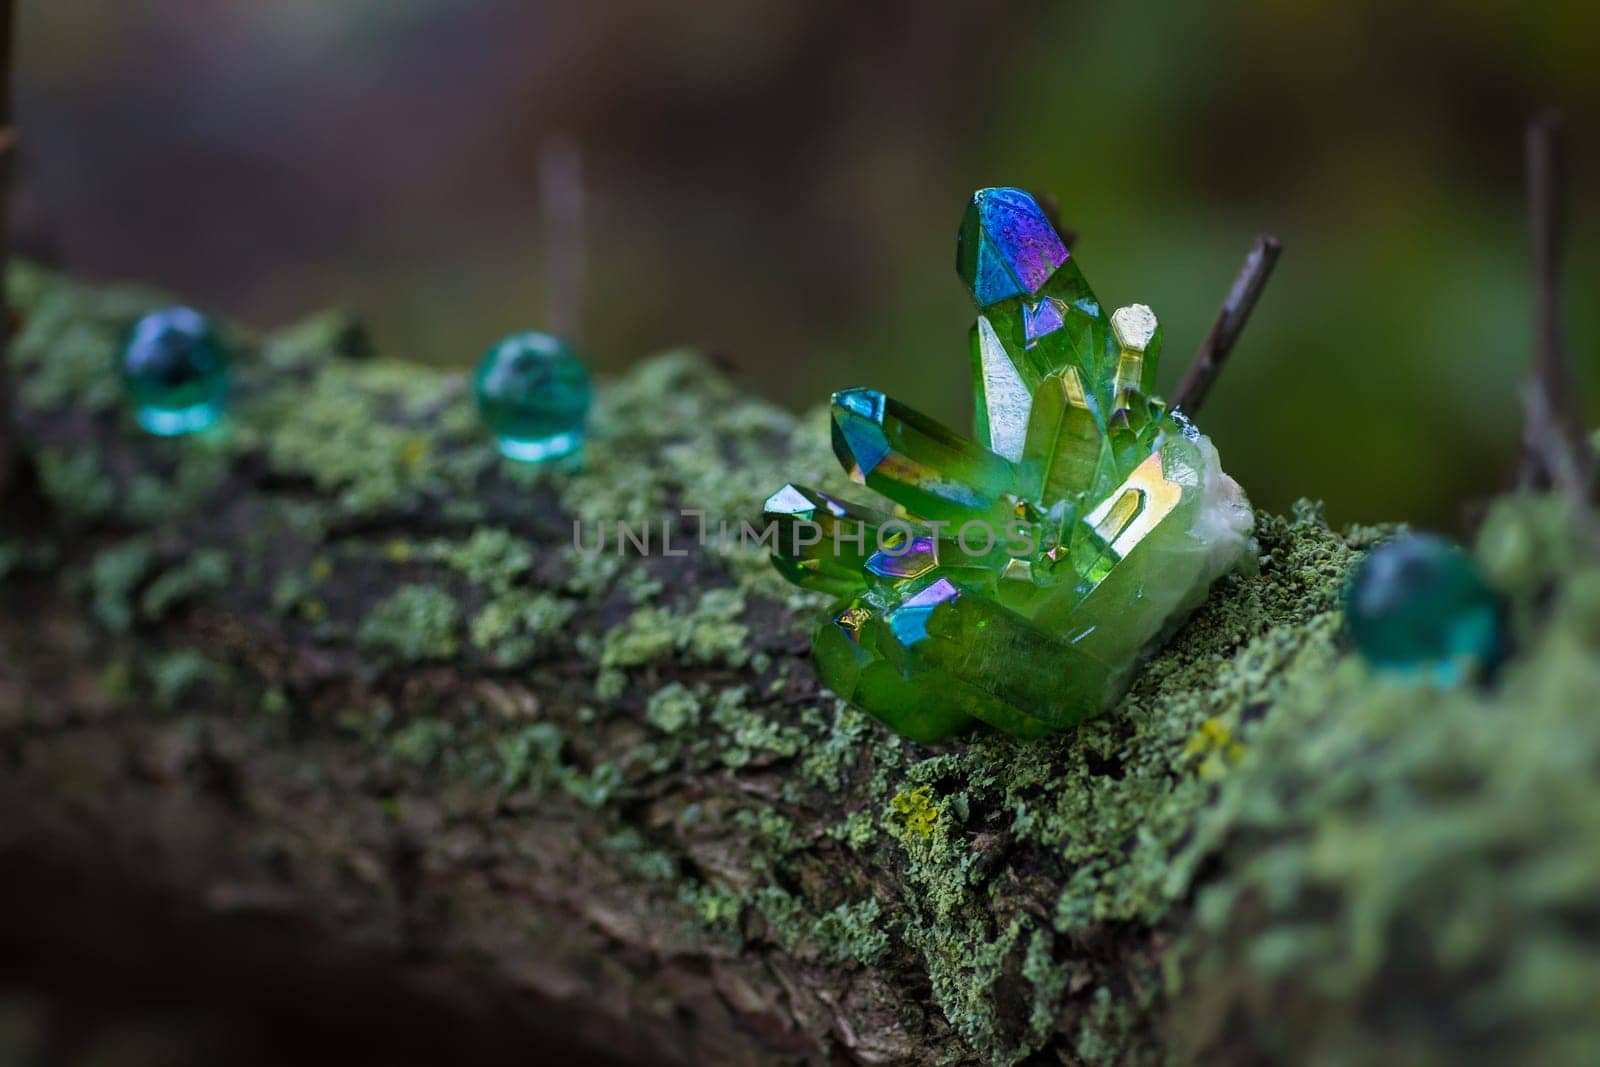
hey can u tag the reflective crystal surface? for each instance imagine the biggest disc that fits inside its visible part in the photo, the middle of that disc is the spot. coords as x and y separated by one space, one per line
1021 573
533 393
175 370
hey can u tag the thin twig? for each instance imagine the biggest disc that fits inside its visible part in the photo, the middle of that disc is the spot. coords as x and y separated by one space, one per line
561 196
1555 448
7 155
1235 312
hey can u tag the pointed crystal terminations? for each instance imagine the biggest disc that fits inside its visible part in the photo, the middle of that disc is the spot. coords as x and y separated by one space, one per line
533 394
1007 246
925 467
822 543
1028 289
1022 574
1065 442
175 370
1138 347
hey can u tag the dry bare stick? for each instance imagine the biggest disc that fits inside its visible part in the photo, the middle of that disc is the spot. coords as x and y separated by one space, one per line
1235 312
8 142
1555 450
561 197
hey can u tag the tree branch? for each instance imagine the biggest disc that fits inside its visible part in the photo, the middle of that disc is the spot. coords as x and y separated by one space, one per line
1235 312
561 198
1556 449
342 671
7 154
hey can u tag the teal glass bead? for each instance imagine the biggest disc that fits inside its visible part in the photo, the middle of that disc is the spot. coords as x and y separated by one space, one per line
1417 605
175 370
533 393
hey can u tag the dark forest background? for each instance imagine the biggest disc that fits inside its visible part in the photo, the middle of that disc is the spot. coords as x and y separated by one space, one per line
780 183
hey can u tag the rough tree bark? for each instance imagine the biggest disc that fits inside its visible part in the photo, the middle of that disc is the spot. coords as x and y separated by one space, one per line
326 716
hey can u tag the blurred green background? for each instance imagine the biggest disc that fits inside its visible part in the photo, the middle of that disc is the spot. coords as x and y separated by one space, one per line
779 183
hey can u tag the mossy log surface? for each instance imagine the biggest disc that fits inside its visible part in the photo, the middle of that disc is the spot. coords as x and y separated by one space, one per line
333 689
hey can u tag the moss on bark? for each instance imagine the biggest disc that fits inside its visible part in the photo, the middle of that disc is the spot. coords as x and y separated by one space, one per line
390 630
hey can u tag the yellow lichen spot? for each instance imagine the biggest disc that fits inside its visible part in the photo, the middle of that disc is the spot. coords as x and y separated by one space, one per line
116 681
398 551
1213 734
718 908
413 451
915 810
313 611
1213 745
321 569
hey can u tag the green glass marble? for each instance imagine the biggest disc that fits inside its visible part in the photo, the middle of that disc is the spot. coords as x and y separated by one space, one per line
1417 606
1020 573
533 393
175 371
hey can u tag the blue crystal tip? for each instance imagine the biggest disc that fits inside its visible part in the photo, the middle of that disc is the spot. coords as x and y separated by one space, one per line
1007 246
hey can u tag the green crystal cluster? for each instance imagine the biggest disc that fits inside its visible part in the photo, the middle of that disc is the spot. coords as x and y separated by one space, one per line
1016 577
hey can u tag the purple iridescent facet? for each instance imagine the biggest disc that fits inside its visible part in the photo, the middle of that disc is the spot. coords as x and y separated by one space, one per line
1040 320
1007 246
909 621
919 557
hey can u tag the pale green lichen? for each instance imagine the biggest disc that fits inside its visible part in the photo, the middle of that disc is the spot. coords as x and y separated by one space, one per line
650 864
113 577
295 594
709 633
746 735
672 708
595 789
529 756
346 431
494 558
206 570
76 483
1412 869
66 350
175 674
1113 805
715 907
422 742
649 634
417 622
328 334
774 834
19 556
834 754
1293 825
512 627
853 931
